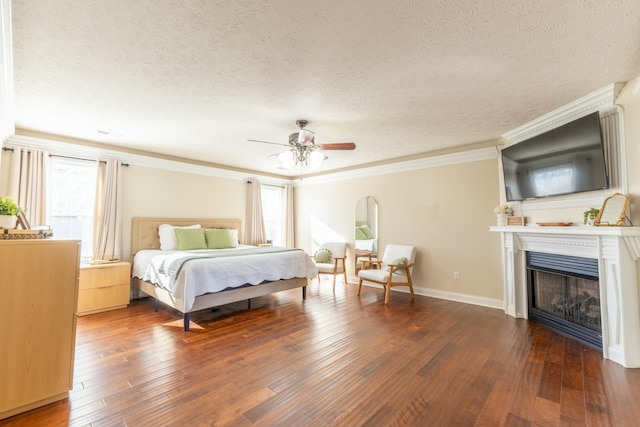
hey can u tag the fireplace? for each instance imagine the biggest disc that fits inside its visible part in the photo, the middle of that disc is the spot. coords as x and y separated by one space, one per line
614 250
564 295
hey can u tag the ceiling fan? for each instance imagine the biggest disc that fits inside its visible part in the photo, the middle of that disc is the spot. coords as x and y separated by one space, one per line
302 149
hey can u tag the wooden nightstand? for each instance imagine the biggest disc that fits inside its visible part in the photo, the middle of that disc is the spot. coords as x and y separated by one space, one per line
103 287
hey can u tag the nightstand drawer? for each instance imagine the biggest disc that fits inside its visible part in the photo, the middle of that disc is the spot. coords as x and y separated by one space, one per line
103 287
103 275
102 299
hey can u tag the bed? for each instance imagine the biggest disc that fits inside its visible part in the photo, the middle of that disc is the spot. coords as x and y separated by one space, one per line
192 288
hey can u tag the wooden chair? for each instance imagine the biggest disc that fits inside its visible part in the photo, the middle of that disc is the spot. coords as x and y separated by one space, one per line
338 261
389 272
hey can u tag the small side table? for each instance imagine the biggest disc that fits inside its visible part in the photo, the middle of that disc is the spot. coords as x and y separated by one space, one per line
103 287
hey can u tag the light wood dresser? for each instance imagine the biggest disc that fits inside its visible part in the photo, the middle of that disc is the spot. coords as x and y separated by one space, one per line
39 288
103 287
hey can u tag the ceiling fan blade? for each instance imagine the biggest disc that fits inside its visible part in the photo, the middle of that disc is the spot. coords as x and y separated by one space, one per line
338 146
267 142
276 154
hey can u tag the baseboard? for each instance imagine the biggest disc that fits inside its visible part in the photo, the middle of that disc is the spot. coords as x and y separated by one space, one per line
449 296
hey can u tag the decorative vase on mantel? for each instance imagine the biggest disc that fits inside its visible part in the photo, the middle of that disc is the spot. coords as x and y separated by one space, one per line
8 221
502 212
502 219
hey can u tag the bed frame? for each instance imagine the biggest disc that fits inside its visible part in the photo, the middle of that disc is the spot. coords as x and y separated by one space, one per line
144 235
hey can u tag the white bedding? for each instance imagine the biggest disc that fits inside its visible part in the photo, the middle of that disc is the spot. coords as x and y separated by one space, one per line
367 245
201 276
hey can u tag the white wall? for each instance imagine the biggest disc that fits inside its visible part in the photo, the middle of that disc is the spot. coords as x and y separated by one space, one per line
444 211
152 192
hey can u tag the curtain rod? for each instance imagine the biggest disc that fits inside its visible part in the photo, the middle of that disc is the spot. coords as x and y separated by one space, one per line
268 185
68 157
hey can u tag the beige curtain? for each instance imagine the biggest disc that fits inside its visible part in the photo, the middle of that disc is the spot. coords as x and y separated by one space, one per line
27 182
289 225
108 219
254 223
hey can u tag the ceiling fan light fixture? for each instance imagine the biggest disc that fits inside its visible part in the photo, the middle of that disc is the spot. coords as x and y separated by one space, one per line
302 149
315 159
287 159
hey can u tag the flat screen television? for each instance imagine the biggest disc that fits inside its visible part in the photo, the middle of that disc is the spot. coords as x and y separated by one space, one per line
565 160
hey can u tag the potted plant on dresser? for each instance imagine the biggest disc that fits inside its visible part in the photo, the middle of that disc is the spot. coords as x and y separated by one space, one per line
9 211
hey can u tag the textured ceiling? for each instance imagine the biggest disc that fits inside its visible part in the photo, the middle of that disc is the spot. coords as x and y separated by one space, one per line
196 79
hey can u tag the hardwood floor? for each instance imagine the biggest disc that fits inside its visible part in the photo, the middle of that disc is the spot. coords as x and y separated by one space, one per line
336 360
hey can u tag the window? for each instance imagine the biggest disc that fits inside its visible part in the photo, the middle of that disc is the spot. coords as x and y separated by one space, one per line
71 201
559 179
273 213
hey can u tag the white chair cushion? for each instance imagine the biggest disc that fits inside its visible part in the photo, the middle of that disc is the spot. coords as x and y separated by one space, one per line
381 276
391 253
328 268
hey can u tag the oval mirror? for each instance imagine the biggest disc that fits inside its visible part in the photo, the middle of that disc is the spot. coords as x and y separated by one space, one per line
367 225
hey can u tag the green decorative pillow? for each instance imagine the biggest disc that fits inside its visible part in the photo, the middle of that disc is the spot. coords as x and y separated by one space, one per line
323 256
399 261
220 238
190 238
359 234
367 232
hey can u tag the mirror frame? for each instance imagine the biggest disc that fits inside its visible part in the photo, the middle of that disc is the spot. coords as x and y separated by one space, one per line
613 211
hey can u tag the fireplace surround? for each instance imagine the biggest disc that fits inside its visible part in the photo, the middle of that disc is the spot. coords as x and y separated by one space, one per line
616 250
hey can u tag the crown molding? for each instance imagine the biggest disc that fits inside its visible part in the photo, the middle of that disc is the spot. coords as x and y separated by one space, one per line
59 148
95 153
595 101
404 166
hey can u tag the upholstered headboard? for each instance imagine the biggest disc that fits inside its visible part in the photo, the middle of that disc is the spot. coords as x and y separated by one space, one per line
144 231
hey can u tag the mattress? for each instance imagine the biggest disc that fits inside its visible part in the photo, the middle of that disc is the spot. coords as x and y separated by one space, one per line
244 265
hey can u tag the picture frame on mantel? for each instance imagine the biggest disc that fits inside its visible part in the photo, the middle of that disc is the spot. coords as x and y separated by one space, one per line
613 211
515 220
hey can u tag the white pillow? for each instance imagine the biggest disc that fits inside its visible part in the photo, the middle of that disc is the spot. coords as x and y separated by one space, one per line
234 236
168 239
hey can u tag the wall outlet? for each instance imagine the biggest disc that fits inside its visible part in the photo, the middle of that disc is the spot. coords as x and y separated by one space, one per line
456 275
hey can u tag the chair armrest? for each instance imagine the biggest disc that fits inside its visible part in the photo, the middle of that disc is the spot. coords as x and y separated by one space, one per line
396 266
369 263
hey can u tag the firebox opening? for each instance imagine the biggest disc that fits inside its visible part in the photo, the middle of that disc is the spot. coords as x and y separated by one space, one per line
564 295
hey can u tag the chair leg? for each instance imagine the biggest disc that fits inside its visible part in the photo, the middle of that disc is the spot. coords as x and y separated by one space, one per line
413 296
334 282
387 287
359 286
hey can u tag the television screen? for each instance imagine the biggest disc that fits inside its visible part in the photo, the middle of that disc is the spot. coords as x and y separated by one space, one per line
568 159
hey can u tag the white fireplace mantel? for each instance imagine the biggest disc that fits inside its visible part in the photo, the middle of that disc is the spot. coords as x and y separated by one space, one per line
617 250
